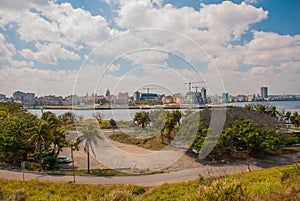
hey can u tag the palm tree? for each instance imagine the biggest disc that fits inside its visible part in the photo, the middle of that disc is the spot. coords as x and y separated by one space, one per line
41 139
249 107
170 125
295 119
142 118
272 110
74 145
177 116
90 136
287 118
261 108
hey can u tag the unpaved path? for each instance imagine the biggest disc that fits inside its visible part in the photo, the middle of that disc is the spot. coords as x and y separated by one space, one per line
184 169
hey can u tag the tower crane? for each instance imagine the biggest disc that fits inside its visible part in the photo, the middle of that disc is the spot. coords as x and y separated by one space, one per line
190 84
196 87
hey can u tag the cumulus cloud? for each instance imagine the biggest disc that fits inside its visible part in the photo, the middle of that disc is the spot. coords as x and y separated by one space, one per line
7 51
272 49
230 19
49 54
42 82
53 31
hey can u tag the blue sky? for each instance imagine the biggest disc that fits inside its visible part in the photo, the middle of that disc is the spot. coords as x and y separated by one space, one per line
63 47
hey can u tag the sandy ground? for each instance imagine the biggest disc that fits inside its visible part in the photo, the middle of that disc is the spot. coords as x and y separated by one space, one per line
184 169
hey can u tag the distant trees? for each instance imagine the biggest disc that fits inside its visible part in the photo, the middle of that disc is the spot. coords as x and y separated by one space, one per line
142 119
98 116
263 109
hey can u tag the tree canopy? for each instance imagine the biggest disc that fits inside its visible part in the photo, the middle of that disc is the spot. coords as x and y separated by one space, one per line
25 137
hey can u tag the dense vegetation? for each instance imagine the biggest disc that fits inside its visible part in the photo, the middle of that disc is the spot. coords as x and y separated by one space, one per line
25 137
280 183
255 130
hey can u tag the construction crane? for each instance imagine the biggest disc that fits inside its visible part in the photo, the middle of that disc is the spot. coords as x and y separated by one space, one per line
190 84
197 87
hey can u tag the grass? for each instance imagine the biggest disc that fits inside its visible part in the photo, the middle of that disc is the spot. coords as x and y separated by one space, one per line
151 143
279 183
288 150
110 172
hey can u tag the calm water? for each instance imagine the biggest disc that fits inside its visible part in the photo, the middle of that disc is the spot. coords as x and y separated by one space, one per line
128 114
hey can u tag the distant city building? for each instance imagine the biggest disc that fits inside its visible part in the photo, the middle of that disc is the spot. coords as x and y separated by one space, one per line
230 99
190 97
136 96
241 98
203 95
107 93
2 96
178 98
18 95
264 92
122 98
149 96
225 97
251 98
167 99
215 99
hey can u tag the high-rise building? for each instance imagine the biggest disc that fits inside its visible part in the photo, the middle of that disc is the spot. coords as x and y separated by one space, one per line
225 97
136 96
264 92
203 95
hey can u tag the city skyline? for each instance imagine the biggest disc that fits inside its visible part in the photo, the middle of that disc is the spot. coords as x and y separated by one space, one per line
72 47
263 93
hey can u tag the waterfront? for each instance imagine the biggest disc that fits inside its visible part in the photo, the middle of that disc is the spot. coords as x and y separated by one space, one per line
128 114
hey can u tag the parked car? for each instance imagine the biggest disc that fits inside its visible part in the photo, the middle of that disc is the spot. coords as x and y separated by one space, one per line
64 159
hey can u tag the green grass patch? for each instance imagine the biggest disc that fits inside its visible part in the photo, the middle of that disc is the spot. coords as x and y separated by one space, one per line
279 183
288 150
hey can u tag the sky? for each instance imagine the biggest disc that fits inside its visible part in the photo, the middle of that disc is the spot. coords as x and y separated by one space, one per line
65 47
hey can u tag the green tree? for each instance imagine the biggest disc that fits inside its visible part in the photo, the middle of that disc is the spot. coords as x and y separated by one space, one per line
177 116
74 146
287 117
40 140
171 122
142 119
68 117
295 119
48 139
249 107
244 129
90 137
16 126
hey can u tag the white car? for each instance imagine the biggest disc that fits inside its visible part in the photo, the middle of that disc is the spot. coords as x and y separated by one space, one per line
64 159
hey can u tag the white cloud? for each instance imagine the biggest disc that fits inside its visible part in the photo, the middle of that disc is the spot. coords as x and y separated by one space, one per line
142 13
272 49
7 51
230 19
55 23
114 67
58 31
250 1
42 82
49 54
